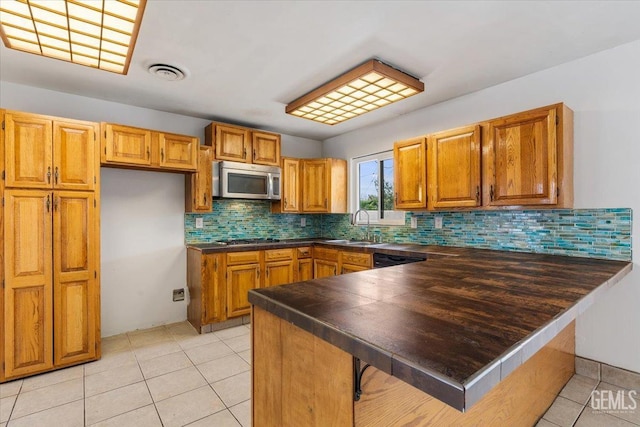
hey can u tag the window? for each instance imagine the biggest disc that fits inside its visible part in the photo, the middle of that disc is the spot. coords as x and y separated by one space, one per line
374 189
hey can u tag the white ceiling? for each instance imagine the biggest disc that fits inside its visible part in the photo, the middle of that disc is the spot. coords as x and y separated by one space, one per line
247 59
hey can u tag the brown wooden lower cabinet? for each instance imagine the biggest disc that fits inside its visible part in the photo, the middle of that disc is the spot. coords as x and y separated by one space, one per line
355 261
242 274
300 379
325 262
219 283
278 267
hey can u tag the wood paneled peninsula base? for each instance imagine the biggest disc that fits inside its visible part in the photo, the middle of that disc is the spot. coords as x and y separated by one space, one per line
480 338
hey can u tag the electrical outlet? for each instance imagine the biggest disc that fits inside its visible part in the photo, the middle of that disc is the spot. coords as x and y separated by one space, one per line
199 222
303 222
438 222
414 222
178 294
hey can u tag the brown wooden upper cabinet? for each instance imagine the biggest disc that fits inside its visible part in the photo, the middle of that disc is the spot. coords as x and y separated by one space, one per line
291 188
324 185
265 148
528 158
49 153
240 144
198 185
410 173
127 146
454 168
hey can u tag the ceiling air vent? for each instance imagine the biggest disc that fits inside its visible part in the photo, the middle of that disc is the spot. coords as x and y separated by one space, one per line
167 72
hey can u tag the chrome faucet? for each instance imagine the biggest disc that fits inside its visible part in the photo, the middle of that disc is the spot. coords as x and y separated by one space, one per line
355 220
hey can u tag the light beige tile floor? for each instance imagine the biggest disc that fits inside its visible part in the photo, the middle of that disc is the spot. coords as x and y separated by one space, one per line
573 407
164 376
172 376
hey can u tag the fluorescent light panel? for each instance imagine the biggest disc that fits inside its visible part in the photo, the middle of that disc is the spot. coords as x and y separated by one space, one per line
96 33
367 87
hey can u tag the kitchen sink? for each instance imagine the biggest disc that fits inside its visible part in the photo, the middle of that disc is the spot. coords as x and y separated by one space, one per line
351 242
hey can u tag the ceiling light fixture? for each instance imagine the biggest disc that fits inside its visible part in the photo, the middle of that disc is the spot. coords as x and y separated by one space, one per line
96 33
365 88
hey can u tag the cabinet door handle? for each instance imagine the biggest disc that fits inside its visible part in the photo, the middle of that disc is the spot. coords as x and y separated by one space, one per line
285 202
56 200
204 198
162 154
148 152
245 152
478 193
254 154
335 270
325 202
491 193
267 272
48 203
49 175
258 273
215 265
55 175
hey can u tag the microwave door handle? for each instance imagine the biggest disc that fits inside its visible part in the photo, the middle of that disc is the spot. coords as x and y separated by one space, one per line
270 186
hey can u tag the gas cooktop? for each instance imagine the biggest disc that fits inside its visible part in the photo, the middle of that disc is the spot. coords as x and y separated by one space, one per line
246 241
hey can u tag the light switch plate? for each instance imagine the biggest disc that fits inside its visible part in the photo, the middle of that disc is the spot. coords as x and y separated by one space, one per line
438 222
303 222
199 222
414 222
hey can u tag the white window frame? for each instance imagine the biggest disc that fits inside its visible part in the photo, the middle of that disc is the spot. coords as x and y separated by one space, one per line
355 187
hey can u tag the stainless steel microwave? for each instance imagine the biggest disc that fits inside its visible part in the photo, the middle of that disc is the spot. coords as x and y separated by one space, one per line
233 180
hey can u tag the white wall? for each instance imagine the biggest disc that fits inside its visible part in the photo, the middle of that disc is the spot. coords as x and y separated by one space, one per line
604 92
142 213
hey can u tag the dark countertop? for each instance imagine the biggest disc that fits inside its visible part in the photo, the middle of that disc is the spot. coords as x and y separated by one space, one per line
387 248
453 325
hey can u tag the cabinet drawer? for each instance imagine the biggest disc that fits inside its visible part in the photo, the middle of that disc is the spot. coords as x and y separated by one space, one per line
278 254
326 254
355 258
304 252
250 257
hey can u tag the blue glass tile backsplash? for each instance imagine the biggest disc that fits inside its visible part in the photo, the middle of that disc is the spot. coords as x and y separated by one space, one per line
596 233
243 219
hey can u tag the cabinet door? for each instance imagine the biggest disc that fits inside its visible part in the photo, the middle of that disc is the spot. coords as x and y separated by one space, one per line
74 155
28 316
322 268
75 296
314 185
454 168
278 273
127 145
240 279
178 151
291 185
213 295
410 174
522 154
350 268
265 148
29 151
198 192
305 270
231 143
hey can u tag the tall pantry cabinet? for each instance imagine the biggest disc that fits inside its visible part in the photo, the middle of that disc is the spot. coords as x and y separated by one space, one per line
50 300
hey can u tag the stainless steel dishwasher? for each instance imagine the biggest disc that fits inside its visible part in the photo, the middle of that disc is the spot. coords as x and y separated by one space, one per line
385 260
